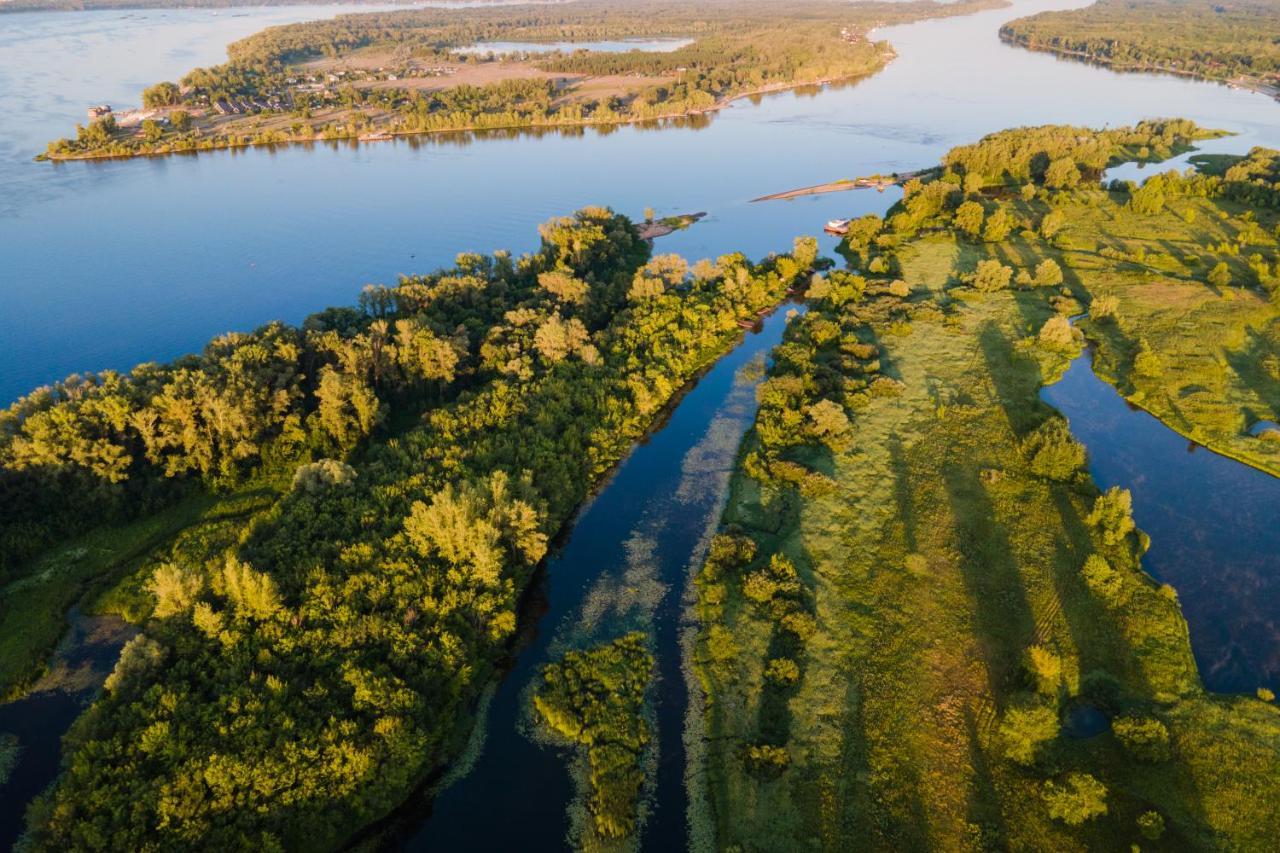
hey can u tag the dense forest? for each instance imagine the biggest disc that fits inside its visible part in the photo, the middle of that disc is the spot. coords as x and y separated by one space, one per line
918 589
300 671
313 81
1206 38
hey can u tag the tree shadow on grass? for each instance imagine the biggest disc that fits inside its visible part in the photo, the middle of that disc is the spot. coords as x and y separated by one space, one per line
1097 637
1247 364
902 491
984 800
1002 614
1016 380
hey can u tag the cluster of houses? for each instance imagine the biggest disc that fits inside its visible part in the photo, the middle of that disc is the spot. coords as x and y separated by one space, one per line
244 106
276 102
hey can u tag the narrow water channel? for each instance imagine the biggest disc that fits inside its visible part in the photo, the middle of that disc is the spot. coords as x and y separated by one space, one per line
623 567
32 727
1212 524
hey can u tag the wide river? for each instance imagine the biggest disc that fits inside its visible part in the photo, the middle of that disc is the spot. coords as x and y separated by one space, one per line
111 263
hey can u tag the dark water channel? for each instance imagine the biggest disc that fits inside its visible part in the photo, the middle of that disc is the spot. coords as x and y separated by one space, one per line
38 720
623 567
1212 523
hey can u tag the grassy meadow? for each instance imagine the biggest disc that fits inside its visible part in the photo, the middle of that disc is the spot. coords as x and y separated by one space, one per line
971 593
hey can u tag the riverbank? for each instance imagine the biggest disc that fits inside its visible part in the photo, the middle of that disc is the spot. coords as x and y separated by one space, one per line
383 133
1251 84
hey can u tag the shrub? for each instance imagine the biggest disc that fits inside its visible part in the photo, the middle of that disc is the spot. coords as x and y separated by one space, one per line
782 671
1104 581
1045 667
1052 223
728 551
1058 333
969 218
765 760
759 587
1146 362
1079 799
1062 174
1048 273
997 226
1023 732
1052 451
827 421
1102 689
1266 695
315 477
1151 825
991 275
138 659
1144 738
899 288
175 589
1220 276
1112 515
1104 306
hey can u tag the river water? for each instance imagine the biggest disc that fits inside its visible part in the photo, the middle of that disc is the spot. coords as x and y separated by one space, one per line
1211 521
107 264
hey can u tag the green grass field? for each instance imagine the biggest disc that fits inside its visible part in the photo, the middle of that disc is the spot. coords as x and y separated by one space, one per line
935 562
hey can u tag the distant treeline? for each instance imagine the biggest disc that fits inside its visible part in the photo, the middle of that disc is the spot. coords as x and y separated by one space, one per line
92 5
742 47
1217 39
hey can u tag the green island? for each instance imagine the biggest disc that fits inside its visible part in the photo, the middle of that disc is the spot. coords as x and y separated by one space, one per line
373 76
323 532
595 699
1237 42
917 585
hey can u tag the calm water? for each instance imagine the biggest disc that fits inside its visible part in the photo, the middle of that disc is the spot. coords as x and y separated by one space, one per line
108 264
86 656
1211 522
622 568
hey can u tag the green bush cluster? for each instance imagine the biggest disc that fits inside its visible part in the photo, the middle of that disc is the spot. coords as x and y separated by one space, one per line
595 698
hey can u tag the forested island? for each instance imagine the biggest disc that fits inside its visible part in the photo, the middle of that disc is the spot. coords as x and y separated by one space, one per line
326 529
1236 42
322 532
373 76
